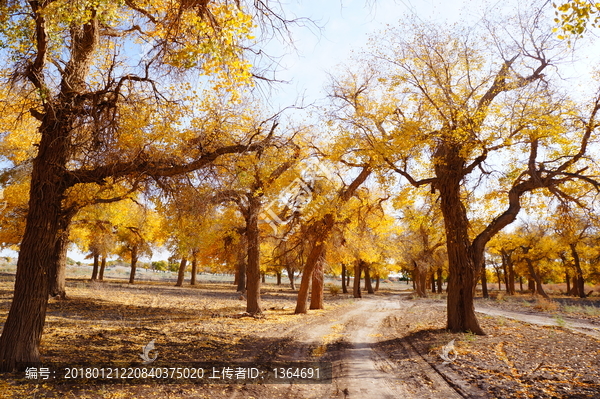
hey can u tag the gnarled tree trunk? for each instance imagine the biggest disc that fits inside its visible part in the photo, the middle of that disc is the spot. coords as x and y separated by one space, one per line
321 231
357 272
463 269
96 265
102 267
38 256
316 293
579 280
368 285
290 272
181 272
194 270
539 289
134 260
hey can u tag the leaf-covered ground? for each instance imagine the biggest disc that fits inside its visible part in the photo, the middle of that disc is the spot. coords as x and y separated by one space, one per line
113 321
514 360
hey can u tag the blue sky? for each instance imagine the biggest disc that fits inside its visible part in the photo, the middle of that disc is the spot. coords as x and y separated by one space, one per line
345 26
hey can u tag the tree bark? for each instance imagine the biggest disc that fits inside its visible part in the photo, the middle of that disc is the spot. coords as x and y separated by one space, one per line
194 270
58 287
432 281
316 293
575 287
368 284
58 284
253 303
440 280
134 259
419 280
531 284
538 282
38 256
377 279
463 265
95 268
322 229
578 271
290 272
181 272
357 272
279 277
344 287
102 267
498 277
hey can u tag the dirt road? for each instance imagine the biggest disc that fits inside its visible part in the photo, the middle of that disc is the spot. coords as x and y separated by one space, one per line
360 370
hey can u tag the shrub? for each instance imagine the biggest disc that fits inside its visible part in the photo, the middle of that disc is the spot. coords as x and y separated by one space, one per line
545 305
334 290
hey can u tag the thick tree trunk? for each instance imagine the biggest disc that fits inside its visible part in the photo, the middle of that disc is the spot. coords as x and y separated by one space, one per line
96 266
531 284
102 267
181 272
38 255
290 272
316 293
368 285
344 287
357 272
253 303
194 270
263 277
538 282
463 268
440 280
419 281
575 287
509 272
322 229
278 277
568 280
578 271
58 286
499 278
377 279
134 259
321 232
432 281
511 278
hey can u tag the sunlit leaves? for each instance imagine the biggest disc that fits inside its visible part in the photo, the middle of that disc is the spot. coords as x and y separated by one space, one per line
574 16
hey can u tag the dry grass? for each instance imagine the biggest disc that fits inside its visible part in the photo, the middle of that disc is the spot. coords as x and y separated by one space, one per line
545 305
